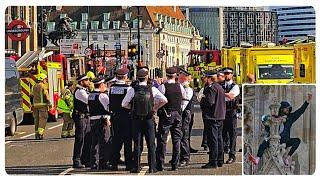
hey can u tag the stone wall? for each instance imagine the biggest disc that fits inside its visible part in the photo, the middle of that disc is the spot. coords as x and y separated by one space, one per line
256 102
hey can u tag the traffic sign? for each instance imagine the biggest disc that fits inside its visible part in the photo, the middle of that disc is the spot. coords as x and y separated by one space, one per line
18 30
88 51
70 46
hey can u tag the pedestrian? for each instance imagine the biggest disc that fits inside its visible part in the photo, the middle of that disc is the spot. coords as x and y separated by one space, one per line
120 121
98 103
40 105
232 92
82 142
65 104
214 110
145 102
170 119
285 110
187 105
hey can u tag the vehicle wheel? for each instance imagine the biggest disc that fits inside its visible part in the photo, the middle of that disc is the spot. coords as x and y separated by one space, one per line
13 127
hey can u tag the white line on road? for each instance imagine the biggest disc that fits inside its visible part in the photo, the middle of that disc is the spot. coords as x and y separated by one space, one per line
143 171
27 136
66 171
7 142
55 126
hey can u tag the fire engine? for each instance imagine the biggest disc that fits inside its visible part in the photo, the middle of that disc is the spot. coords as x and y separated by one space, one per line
200 61
29 66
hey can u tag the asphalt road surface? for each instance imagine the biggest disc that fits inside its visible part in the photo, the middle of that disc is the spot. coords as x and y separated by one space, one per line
53 155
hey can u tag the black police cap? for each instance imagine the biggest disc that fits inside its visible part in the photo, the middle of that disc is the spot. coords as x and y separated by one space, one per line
171 71
122 71
142 73
82 77
184 72
98 80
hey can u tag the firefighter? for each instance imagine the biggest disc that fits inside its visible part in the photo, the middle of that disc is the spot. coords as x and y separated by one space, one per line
82 142
213 109
98 102
232 91
91 77
145 102
65 104
187 105
120 119
170 119
41 103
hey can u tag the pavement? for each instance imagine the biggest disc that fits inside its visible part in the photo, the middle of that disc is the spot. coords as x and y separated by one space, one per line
53 155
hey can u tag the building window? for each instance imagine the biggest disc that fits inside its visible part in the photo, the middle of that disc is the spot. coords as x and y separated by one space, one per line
95 37
63 15
50 26
84 37
127 16
105 37
73 25
134 35
135 23
105 25
94 24
106 16
116 24
83 25
116 36
84 16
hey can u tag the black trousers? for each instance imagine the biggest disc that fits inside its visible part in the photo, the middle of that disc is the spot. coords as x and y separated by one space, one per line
190 128
185 144
121 127
100 147
166 124
82 142
142 126
204 142
215 141
229 129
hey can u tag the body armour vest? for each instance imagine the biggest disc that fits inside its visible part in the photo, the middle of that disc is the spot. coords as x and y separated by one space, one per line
116 95
80 106
173 94
95 106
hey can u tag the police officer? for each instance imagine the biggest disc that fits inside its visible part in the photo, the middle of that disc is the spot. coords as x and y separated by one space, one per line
82 142
120 119
143 118
98 103
232 92
187 104
40 103
213 110
221 78
170 119
200 95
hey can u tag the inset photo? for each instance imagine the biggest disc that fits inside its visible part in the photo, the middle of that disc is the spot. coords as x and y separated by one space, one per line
279 129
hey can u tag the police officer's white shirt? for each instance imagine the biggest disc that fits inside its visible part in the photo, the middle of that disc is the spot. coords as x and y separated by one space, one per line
82 94
104 99
189 94
200 94
157 95
162 88
235 90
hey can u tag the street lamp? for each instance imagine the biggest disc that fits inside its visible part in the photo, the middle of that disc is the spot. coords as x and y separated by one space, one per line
160 54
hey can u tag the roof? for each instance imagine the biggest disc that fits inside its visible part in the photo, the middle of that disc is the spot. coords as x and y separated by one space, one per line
164 10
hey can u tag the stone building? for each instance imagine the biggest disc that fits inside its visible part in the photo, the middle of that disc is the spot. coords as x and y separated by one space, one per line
257 100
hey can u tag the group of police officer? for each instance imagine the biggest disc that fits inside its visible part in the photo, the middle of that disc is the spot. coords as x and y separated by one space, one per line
116 114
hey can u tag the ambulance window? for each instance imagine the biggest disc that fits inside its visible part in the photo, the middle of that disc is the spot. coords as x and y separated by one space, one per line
302 70
275 71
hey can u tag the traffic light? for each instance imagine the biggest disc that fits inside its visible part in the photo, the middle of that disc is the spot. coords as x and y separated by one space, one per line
132 51
206 42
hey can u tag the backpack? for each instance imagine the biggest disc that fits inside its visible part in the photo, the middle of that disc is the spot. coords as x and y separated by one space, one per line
142 101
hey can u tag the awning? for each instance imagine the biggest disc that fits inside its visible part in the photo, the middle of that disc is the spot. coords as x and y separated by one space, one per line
30 57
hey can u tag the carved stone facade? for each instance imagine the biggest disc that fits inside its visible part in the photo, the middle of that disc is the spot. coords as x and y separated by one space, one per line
257 100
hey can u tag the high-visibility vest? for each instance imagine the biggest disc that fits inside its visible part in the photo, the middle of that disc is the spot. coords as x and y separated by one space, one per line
62 105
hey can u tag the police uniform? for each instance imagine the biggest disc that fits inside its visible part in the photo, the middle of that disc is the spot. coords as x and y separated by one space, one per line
82 142
230 123
213 110
143 125
170 120
121 122
98 103
187 105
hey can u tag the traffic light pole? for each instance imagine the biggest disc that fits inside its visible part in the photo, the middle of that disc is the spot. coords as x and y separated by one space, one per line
139 51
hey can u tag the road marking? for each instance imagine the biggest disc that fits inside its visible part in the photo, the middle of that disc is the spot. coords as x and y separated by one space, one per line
20 133
27 136
55 126
66 171
143 171
7 142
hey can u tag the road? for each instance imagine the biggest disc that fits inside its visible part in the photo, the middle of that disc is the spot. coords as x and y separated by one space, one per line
53 155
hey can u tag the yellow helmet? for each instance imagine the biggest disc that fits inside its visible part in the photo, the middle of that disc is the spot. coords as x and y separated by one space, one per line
41 76
91 75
